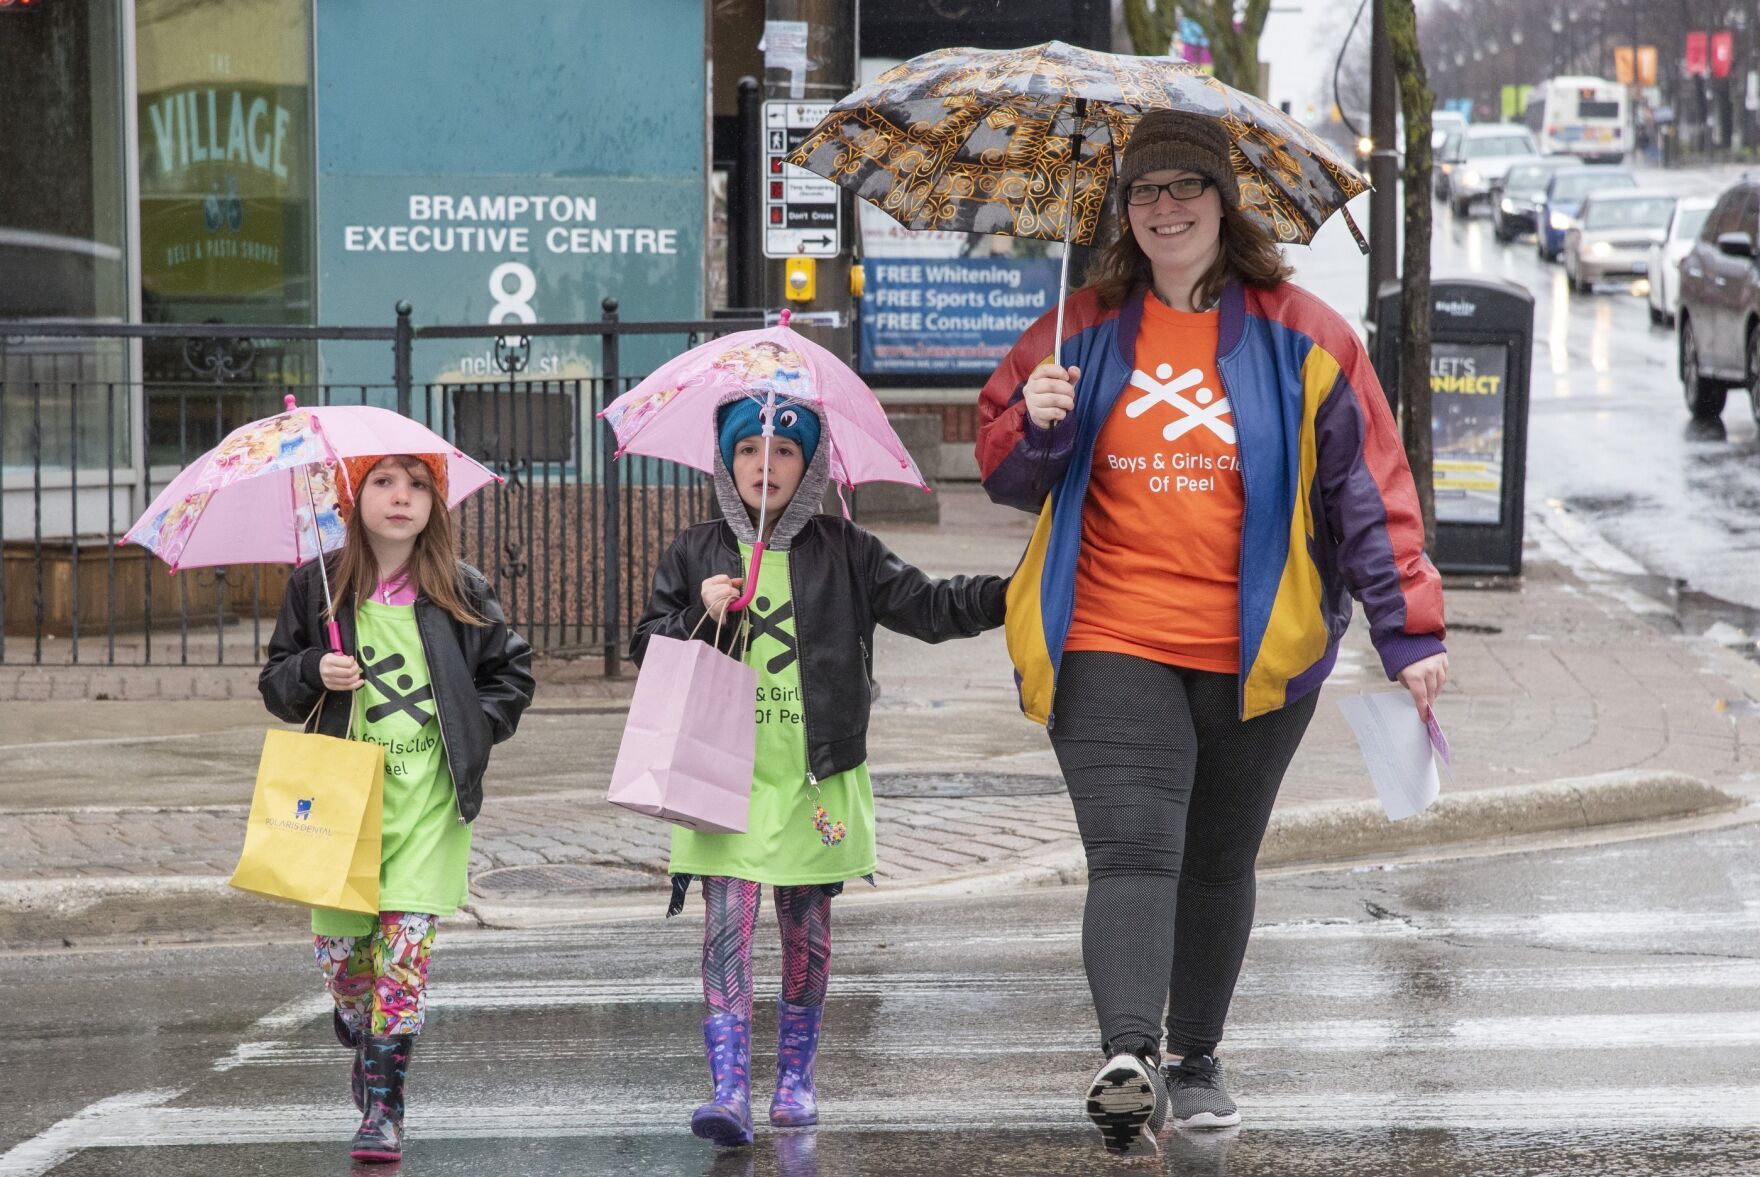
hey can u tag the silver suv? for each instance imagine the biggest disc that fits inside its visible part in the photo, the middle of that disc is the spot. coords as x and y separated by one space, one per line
1477 157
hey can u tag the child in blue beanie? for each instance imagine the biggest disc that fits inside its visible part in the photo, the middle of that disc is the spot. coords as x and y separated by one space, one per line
808 630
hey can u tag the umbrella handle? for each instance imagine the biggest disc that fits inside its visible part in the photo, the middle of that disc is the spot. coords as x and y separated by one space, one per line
751 586
1069 227
335 632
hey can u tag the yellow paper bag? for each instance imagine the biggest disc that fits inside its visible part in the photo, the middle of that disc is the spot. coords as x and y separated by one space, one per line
313 834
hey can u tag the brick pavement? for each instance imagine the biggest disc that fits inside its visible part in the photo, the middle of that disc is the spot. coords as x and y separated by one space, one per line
1555 677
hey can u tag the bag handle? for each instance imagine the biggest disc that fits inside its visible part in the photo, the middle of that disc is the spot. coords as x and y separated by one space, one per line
745 623
352 708
745 626
699 625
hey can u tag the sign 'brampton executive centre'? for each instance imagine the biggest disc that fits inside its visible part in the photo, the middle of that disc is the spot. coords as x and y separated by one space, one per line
506 224
510 250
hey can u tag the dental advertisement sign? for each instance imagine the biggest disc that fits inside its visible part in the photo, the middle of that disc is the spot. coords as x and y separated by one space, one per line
950 315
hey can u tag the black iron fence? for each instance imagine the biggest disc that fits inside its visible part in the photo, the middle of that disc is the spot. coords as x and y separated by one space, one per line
569 539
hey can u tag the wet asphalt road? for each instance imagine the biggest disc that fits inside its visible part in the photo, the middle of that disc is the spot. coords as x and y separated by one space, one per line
1591 1010
1610 439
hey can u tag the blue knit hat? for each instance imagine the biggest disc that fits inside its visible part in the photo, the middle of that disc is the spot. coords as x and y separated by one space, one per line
740 419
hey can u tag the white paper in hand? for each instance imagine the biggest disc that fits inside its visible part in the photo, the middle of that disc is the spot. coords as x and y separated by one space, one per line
1397 749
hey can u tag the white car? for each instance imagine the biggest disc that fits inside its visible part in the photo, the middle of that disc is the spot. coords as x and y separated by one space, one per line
1479 156
1663 263
1442 122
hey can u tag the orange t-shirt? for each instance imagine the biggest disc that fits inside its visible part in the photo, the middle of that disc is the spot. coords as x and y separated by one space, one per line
1159 570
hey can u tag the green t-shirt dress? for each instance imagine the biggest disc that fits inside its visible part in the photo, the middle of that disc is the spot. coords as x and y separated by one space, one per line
425 850
782 845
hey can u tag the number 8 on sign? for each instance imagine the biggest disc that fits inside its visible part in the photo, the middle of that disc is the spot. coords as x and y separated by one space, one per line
517 302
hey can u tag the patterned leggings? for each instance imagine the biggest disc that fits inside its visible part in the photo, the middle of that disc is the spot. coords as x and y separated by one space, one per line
731 914
381 980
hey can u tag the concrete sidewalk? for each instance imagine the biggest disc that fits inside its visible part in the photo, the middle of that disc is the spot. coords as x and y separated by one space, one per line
105 805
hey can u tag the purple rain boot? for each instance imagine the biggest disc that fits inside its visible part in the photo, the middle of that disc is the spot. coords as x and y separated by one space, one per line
796 1103
727 1118
380 1137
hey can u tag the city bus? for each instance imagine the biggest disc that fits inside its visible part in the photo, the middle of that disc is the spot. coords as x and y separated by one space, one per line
1590 118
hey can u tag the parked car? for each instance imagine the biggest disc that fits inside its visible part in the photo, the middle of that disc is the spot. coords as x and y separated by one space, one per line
1663 263
1557 211
1719 317
1515 197
1614 233
1483 153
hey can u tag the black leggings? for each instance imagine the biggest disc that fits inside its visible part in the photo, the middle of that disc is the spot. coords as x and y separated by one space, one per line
1172 793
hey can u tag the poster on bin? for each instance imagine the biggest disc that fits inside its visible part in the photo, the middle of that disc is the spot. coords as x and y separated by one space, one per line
1467 385
950 315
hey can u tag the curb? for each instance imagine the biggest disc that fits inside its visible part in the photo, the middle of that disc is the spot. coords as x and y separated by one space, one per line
1355 829
1341 831
133 909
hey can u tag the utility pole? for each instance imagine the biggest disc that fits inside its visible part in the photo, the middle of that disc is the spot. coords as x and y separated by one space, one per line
1384 205
822 69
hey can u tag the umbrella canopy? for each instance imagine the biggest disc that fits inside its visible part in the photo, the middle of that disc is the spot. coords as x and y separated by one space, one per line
1024 142
269 493
671 414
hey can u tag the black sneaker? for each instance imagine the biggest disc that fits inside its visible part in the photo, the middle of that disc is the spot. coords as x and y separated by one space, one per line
1128 1103
1197 1095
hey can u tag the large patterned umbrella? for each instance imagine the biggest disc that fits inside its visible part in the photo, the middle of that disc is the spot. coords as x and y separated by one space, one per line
1025 142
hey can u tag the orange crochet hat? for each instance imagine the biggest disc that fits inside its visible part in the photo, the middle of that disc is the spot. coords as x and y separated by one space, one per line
355 471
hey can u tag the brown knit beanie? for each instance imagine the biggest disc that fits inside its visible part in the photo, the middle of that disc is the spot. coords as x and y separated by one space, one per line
1175 139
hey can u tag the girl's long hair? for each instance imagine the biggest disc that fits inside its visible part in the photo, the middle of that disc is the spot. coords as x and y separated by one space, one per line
1248 253
433 567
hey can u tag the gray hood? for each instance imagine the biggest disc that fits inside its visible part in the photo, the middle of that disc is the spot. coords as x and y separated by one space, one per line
802 507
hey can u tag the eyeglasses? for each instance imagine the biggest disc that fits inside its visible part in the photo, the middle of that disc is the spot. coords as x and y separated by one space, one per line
1187 189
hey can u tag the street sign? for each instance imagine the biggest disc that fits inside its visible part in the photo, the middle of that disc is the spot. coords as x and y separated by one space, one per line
803 214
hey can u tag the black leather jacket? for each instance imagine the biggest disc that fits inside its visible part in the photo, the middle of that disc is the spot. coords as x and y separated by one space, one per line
482 674
843 581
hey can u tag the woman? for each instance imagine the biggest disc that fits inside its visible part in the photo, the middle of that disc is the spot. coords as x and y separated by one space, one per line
1216 473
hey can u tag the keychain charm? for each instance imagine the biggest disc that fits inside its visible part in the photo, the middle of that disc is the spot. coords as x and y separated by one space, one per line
830 832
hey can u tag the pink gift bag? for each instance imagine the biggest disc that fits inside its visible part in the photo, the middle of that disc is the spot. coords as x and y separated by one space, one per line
687 748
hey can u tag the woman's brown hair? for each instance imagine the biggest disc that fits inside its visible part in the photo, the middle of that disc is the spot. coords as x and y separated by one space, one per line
433 567
1248 252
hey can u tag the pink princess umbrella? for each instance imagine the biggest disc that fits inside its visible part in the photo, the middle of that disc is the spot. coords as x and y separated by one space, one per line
671 414
269 493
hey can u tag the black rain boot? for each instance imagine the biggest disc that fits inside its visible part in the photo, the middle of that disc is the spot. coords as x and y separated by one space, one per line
385 1061
357 1082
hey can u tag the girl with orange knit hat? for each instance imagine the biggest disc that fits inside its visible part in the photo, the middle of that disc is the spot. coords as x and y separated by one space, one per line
429 670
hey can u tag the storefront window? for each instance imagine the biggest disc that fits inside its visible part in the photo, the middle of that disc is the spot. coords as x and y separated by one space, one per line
62 232
226 167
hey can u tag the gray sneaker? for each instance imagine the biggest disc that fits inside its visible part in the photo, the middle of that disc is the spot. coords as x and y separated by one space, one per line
1198 1098
1127 1101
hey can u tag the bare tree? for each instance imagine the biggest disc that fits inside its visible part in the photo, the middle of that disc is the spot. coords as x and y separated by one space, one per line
1416 101
1232 28
1151 24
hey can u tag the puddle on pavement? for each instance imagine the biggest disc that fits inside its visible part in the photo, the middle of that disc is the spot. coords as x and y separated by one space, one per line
1696 614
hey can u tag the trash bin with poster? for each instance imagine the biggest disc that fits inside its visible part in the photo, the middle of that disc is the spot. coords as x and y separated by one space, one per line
1481 338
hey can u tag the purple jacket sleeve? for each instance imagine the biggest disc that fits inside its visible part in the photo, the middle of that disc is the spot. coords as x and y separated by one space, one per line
1019 462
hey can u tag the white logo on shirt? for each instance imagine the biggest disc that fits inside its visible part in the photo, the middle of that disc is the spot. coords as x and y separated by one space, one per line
1208 410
